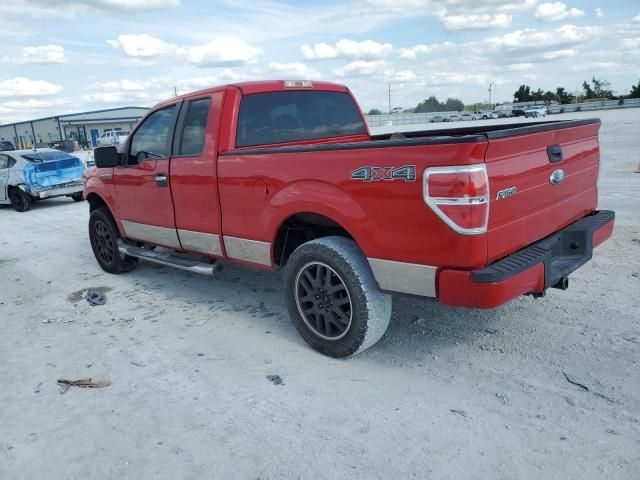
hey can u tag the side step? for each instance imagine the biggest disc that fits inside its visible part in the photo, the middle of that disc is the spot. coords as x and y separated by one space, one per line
176 261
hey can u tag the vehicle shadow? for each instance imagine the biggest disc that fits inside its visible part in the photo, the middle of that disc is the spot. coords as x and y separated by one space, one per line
419 327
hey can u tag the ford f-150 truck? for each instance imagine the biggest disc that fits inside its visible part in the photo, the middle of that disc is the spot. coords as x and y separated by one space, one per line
285 175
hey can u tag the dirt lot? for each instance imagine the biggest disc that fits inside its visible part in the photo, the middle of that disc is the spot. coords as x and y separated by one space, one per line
446 394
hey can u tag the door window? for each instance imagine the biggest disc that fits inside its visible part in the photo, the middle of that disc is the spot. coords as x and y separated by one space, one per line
195 125
151 139
4 162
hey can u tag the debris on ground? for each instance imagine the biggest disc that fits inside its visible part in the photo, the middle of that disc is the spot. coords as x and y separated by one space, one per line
37 389
462 413
571 378
275 379
65 384
632 339
95 298
138 364
503 396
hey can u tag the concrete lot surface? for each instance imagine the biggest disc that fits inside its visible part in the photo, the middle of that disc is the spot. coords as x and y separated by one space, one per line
446 394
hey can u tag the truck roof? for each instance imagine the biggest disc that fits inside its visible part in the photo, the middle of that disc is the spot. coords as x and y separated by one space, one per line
248 88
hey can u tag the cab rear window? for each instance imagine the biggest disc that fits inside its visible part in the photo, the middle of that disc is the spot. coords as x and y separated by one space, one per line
280 117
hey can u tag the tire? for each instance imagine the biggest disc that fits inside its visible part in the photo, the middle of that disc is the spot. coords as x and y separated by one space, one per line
77 197
21 201
104 236
358 313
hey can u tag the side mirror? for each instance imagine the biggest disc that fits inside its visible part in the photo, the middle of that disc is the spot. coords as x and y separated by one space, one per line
106 157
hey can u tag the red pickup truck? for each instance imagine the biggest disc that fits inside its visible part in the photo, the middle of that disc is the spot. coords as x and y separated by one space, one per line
285 175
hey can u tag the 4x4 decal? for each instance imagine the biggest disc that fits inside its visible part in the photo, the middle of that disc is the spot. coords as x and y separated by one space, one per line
376 174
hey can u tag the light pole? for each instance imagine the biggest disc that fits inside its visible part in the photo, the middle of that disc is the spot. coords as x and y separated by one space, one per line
389 97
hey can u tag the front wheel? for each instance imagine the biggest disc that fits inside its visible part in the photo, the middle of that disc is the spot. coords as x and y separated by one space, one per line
104 235
333 298
77 197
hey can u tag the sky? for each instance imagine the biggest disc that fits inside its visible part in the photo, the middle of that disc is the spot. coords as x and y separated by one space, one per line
65 56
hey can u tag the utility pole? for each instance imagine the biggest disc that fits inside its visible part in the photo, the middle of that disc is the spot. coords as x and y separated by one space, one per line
175 91
389 97
490 89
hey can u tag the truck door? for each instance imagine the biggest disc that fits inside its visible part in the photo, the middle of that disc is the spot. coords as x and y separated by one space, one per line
142 185
194 180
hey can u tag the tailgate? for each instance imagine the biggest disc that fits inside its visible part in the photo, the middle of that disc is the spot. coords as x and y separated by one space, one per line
50 174
540 182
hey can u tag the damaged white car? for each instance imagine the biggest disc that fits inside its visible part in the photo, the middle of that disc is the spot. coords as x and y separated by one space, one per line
30 175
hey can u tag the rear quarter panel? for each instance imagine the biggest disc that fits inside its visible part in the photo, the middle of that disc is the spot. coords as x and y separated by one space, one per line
388 219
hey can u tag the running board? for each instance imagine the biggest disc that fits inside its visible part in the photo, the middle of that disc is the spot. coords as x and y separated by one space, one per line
168 259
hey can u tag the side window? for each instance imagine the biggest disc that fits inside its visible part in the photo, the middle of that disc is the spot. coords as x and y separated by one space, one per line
4 162
151 139
194 127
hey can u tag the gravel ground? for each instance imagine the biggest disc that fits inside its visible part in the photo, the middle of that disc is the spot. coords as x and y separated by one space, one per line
446 394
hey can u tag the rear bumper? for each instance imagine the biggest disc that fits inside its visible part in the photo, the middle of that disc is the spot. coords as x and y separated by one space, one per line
58 190
531 270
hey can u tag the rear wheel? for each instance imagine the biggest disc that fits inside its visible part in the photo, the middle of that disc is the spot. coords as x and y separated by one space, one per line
104 236
21 201
333 298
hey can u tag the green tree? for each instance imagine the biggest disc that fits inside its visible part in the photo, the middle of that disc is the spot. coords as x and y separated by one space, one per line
562 95
374 111
635 91
523 94
432 104
598 89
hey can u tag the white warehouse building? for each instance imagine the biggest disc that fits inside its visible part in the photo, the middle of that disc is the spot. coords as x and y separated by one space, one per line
84 127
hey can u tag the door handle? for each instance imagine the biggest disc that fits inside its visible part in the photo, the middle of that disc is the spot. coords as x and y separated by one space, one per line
554 152
161 180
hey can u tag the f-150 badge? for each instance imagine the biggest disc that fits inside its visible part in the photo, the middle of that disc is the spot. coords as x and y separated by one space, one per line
506 193
377 174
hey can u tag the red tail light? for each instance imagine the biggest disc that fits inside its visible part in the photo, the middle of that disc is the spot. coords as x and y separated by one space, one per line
459 196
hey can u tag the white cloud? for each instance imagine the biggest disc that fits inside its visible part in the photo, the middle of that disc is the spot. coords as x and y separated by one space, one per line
368 49
599 12
404 76
475 22
360 68
556 54
44 54
219 52
71 8
556 11
631 43
222 51
142 45
636 19
297 70
25 87
530 39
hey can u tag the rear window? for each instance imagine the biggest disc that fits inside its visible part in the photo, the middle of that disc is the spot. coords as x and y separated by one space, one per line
39 157
280 117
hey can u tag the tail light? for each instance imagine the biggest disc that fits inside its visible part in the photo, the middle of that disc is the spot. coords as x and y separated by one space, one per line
459 196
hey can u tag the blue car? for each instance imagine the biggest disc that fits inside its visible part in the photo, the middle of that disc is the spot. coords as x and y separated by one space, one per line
30 175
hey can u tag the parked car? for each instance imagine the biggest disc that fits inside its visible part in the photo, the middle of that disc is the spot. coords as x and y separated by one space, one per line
397 110
30 175
261 176
465 117
454 117
535 112
6 146
112 137
518 112
437 118
484 115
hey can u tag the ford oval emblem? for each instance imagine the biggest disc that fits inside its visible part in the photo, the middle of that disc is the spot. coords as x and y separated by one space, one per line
557 177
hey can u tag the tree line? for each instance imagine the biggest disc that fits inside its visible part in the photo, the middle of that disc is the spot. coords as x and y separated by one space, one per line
595 89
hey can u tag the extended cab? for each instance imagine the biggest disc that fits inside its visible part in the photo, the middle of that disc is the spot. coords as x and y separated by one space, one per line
285 175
